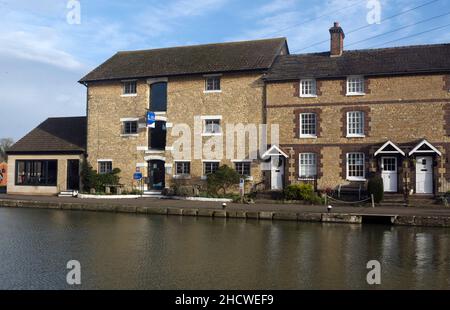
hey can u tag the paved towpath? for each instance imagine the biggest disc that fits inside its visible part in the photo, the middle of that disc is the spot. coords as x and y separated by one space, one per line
266 207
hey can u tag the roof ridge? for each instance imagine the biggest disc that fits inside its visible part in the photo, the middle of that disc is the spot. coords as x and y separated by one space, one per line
377 49
201 45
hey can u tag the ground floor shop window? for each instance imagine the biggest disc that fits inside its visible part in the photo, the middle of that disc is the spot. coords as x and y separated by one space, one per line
36 172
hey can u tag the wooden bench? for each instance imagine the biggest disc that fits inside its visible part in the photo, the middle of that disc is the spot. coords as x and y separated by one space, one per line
356 189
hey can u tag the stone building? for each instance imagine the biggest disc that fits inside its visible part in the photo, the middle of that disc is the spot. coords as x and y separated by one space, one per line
345 115
203 88
47 160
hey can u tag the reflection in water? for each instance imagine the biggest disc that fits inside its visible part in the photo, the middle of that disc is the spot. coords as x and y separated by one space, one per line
134 251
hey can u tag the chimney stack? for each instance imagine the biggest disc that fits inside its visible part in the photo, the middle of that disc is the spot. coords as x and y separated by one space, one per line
337 40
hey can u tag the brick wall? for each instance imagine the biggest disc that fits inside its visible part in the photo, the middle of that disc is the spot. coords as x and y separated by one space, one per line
403 109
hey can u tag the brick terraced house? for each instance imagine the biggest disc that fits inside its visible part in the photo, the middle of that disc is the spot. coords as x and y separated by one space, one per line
342 115
345 115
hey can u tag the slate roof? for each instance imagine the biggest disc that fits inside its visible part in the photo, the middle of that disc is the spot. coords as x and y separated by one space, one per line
65 135
386 61
198 59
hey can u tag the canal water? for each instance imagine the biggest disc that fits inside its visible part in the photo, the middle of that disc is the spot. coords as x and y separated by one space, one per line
125 251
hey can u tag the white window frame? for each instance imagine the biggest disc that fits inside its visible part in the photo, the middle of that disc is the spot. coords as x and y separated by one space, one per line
204 176
136 134
211 118
306 136
124 94
362 124
213 76
312 166
175 170
313 87
246 162
356 178
356 79
102 161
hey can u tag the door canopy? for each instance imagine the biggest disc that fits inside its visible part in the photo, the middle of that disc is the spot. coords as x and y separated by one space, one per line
389 148
424 148
274 151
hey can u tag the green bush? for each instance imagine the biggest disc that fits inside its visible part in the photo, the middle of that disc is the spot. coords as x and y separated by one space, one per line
302 192
91 179
376 188
224 178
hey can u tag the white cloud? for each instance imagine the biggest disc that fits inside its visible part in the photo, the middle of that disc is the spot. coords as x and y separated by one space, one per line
161 19
39 46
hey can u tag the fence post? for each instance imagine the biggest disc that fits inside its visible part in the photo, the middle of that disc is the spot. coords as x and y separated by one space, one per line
373 201
326 199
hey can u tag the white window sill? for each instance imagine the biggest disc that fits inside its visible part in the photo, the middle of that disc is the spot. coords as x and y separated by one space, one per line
249 178
182 177
306 179
128 95
357 179
356 136
355 94
212 91
129 135
308 96
204 178
308 137
211 134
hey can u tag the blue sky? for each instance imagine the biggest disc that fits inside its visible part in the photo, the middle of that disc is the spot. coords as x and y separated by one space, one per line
42 56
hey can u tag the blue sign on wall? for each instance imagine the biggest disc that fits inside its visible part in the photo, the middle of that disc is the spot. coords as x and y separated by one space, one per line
137 176
151 119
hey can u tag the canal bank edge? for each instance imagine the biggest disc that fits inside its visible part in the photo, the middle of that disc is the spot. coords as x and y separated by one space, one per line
349 218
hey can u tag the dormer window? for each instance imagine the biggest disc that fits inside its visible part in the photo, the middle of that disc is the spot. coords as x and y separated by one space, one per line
129 88
308 88
355 86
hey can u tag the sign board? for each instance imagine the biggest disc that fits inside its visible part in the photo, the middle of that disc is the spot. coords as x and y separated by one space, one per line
151 119
137 176
3 174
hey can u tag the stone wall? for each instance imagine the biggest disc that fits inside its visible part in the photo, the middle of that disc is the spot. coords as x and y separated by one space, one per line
240 101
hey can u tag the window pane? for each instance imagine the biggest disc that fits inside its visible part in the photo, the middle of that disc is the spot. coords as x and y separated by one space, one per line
129 88
183 168
355 123
308 124
210 167
355 165
105 167
355 85
213 83
308 165
308 87
212 126
130 127
36 172
158 97
243 168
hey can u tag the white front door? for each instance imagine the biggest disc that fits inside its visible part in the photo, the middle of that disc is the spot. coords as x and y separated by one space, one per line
277 173
424 175
389 174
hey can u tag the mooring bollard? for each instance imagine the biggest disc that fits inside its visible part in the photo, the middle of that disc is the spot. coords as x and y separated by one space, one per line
329 208
224 205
